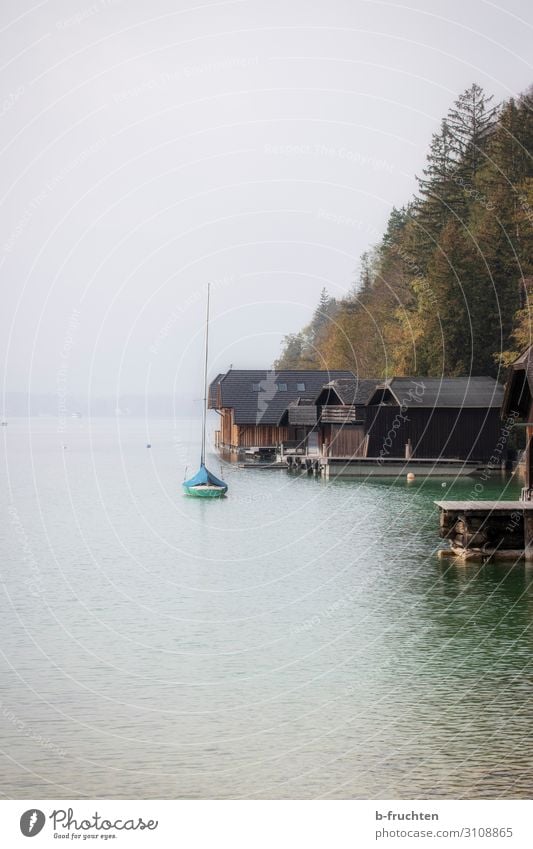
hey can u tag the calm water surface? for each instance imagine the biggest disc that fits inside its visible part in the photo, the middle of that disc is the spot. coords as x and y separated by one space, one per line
298 639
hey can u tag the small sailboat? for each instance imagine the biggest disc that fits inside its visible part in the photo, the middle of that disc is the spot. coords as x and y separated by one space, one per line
204 484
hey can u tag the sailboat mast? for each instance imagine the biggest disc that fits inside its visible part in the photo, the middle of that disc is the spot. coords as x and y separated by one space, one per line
204 409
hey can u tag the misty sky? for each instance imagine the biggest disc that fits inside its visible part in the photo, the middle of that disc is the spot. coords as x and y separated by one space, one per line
149 147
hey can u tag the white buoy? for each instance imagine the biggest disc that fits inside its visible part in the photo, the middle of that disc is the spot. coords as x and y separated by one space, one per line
410 476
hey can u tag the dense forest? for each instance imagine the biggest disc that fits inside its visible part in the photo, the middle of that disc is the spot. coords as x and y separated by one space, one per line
449 289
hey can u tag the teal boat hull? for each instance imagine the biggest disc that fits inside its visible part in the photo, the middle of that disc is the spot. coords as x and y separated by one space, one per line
204 491
205 485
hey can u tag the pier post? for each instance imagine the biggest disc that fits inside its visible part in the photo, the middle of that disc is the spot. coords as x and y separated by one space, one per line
528 535
528 476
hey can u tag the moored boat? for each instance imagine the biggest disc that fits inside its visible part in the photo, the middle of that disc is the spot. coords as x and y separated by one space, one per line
205 484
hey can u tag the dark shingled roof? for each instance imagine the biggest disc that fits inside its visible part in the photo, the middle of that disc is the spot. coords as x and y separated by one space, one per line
269 404
350 390
213 391
484 392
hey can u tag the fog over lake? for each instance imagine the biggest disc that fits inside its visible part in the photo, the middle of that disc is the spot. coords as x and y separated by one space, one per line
260 146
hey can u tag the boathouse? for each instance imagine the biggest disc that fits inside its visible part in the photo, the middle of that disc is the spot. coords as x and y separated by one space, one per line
335 415
262 409
478 530
518 407
426 417
411 417
341 408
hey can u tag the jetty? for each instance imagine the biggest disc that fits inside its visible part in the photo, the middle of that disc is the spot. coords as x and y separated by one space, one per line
349 467
479 530
503 530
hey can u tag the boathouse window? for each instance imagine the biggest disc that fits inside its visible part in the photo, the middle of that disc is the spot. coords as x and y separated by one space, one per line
300 387
256 387
281 387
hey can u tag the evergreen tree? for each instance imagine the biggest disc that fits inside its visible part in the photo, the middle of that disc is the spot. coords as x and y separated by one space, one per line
470 122
292 352
449 289
323 313
438 187
301 350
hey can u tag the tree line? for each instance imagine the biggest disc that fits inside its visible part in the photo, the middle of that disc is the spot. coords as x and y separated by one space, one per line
449 288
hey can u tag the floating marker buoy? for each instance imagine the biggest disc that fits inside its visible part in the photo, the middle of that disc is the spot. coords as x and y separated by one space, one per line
410 476
443 484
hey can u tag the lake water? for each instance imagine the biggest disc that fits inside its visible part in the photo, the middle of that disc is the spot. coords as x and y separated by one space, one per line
298 639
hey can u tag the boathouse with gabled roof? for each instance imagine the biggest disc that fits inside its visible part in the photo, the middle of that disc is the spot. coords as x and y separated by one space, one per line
335 414
479 530
262 409
342 414
428 417
411 417
517 407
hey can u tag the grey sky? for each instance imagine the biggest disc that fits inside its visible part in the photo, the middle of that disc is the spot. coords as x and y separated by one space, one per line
149 147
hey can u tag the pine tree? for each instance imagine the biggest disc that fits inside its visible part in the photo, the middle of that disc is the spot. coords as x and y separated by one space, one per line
323 313
449 289
495 283
438 188
291 352
301 350
470 122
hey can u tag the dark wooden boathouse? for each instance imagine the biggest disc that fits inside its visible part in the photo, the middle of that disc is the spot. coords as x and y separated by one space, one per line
335 415
425 417
342 415
518 406
499 529
412 417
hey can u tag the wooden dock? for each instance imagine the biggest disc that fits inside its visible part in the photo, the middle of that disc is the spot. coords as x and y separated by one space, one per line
477 530
356 467
255 464
333 467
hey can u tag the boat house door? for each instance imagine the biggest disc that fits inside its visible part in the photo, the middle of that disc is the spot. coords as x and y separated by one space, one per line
312 443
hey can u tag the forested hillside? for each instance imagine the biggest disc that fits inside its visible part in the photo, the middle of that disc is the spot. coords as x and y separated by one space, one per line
449 289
